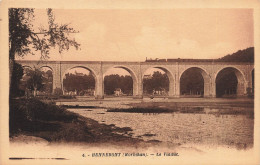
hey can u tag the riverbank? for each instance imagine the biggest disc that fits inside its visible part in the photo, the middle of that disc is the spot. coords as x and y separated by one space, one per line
33 118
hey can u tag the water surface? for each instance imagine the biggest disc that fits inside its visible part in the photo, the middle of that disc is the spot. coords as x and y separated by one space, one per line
207 128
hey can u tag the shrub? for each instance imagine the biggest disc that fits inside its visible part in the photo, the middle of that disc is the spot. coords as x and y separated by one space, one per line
67 97
24 112
58 92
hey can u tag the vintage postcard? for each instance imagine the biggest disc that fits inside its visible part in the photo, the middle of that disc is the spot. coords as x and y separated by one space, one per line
118 82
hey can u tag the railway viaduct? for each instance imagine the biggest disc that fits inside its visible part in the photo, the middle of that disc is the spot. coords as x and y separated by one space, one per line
174 70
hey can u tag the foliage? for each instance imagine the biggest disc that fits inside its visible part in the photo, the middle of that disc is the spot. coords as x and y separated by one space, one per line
246 55
58 92
32 78
23 39
35 118
75 82
226 83
158 81
47 82
17 76
35 81
24 113
192 83
125 83
19 31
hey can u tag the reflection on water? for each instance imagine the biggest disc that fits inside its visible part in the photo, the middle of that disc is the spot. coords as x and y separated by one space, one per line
176 128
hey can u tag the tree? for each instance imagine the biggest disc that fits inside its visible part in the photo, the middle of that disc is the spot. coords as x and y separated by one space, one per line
47 82
22 35
35 82
17 76
23 39
192 82
158 81
226 83
79 83
111 82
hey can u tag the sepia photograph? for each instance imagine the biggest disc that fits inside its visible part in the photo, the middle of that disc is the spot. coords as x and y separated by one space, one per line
129 85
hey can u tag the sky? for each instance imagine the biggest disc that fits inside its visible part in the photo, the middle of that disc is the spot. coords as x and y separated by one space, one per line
111 71
137 34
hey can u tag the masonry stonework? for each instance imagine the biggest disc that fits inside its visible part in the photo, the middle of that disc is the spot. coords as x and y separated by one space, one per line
174 71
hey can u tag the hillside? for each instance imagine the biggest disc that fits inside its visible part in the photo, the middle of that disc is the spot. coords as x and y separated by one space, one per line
246 55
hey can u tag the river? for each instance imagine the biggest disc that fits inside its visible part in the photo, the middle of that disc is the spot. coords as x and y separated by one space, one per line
207 129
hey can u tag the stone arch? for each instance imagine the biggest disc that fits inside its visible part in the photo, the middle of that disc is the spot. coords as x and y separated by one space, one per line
169 75
46 67
26 66
205 76
240 78
131 72
84 67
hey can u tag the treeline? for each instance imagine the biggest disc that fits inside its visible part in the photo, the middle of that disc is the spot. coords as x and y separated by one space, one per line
226 84
158 82
74 82
114 81
192 83
80 83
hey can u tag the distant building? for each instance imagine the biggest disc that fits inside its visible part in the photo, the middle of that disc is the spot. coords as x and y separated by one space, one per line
160 92
90 92
71 93
87 92
118 92
79 74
